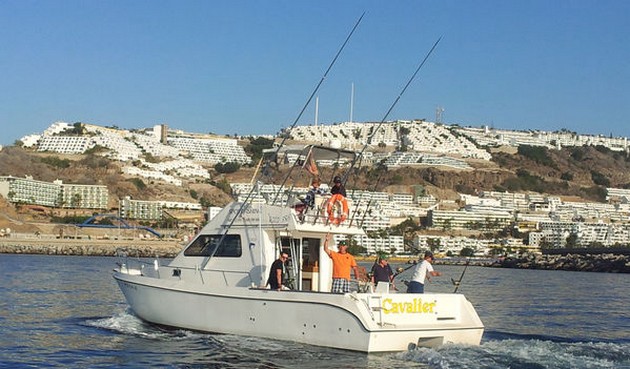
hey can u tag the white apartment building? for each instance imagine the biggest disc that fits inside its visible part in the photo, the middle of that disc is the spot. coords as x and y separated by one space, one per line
211 150
618 194
392 245
486 136
83 196
29 191
139 209
451 244
488 220
56 194
65 144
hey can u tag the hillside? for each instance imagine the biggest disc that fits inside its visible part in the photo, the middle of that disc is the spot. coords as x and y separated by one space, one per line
581 172
94 170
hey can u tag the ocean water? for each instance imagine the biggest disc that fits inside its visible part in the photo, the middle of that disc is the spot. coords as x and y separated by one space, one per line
67 312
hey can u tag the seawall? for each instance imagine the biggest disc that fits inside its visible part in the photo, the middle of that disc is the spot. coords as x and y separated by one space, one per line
140 248
609 263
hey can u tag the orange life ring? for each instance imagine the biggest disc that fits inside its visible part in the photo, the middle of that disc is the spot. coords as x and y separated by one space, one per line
332 204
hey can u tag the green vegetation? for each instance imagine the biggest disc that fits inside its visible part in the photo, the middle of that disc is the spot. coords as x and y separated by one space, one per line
97 149
538 154
223 185
354 248
94 161
596 193
70 219
467 251
138 183
256 147
54 161
599 179
230 167
525 181
578 153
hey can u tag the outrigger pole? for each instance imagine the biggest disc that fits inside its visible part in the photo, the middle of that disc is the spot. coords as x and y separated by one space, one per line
402 92
310 98
275 155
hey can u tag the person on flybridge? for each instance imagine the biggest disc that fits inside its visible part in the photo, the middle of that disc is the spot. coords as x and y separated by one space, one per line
308 202
338 187
342 263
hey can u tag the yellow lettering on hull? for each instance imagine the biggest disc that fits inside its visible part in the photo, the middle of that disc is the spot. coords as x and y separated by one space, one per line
416 306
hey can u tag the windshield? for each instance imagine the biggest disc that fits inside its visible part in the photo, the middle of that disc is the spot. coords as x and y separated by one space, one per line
204 245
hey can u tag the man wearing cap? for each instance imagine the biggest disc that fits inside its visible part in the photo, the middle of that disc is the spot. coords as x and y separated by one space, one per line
342 263
422 272
338 187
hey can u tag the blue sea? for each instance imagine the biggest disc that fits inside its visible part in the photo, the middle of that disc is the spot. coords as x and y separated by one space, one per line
67 312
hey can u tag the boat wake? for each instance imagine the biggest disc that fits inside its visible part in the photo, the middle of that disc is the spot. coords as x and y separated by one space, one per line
523 353
498 350
128 324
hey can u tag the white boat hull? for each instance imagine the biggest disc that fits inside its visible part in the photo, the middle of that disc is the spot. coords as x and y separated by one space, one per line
368 322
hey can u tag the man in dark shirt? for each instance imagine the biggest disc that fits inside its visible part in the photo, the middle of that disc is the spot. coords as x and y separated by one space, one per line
382 272
338 187
276 274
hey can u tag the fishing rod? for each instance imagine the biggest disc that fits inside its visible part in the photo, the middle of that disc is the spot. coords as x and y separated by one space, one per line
310 98
275 155
344 178
402 92
458 282
401 270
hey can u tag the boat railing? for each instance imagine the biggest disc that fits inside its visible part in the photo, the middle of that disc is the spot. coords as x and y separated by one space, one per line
230 277
319 215
128 264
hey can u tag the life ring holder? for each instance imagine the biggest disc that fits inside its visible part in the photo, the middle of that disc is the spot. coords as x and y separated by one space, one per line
337 200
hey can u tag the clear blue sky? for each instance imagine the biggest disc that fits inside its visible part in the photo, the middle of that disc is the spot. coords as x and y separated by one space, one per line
247 67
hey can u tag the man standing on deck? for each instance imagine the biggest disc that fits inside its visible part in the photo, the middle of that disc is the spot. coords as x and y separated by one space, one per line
342 263
382 272
422 272
276 274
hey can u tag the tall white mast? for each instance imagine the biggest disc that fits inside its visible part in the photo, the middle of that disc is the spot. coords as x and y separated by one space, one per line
351 101
316 109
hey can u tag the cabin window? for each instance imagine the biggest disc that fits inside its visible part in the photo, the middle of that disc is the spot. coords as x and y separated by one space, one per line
205 245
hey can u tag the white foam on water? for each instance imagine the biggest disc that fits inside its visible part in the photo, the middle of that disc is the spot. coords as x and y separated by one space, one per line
518 353
127 323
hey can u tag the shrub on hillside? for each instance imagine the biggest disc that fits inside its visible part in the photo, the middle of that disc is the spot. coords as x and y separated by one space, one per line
230 167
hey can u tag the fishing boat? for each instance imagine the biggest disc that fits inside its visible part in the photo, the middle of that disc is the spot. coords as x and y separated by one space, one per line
217 284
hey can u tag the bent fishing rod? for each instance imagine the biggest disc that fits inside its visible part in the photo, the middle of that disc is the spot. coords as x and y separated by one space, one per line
275 154
458 282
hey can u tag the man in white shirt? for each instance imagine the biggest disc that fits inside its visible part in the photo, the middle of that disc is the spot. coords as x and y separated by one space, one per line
422 272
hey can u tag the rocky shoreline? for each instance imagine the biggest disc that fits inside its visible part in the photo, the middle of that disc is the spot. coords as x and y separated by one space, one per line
607 263
139 248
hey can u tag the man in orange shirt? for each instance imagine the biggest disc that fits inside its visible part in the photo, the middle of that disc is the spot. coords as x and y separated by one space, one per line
342 263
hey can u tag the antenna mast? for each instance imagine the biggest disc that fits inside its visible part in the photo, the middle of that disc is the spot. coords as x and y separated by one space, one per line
351 101
316 109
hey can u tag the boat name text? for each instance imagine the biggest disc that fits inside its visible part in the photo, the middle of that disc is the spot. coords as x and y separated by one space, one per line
405 307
